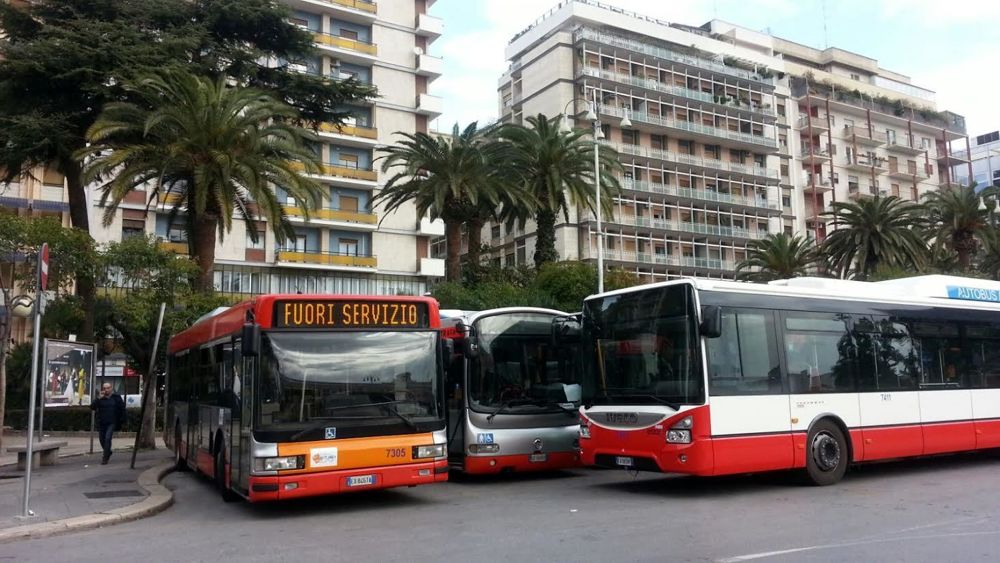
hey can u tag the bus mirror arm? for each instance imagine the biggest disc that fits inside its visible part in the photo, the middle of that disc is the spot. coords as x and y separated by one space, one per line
250 339
711 321
447 351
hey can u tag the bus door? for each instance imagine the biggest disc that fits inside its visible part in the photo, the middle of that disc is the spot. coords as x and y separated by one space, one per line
236 399
944 395
455 385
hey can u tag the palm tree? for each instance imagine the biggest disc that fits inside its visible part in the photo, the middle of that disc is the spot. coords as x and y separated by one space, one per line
557 168
448 177
958 217
209 150
778 256
874 232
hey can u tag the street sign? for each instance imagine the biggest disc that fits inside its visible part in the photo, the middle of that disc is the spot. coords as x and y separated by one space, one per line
43 268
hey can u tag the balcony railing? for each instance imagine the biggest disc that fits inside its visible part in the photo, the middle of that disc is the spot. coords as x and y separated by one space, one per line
657 86
343 171
171 198
690 126
863 133
350 130
177 247
362 5
703 195
666 54
327 259
683 226
666 259
330 214
670 156
345 43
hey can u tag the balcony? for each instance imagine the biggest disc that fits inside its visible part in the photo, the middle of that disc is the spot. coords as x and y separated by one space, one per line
862 136
429 105
429 66
866 192
815 155
350 134
905 146
697 195
865 163
815 124
332 172
170 198
358 8
902 173
679 226
349 50
706 133
654 85
295 258
429 26
816 183
668 55
432 267
647 258
431 228
710 164
355 219
177 247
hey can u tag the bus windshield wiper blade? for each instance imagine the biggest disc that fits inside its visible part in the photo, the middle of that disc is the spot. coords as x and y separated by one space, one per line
506 404
660 400
401 416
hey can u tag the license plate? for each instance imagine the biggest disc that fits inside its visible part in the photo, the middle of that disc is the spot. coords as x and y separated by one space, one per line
624 461
538 458
360 480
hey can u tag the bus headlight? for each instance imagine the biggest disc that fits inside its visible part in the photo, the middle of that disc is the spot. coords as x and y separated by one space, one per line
584 431
421 452
280 463
680 433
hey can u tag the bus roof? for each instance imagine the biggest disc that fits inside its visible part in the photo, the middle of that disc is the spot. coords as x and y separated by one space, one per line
933 290
222 323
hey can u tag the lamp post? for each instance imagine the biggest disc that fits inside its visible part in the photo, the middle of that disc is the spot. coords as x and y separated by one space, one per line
593 117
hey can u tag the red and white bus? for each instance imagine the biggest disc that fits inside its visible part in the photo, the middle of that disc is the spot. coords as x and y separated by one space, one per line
297 395
512 395
714 378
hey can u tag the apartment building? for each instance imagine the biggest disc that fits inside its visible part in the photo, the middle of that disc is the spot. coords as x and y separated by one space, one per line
725 135
347 245
984 158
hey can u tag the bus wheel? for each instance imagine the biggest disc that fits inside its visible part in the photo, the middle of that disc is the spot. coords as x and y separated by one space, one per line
827 454
180 464
220 476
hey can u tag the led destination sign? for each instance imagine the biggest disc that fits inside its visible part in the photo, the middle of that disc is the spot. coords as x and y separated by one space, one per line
350 314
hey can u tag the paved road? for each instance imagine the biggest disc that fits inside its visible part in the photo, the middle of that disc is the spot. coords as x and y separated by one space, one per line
944 509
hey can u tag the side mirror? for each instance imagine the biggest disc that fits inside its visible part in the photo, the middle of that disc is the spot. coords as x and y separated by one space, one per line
565 330
447 350
711 321
250 340
470 343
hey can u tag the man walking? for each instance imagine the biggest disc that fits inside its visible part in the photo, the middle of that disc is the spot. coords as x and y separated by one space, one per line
110 409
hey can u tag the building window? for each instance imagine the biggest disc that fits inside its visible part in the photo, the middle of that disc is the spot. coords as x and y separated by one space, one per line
522 253
495 232
259 245
781 110
855 76
630 137
786 201
713 151
349 160
177 234
347 246
133 228
508 259
297 244
658 142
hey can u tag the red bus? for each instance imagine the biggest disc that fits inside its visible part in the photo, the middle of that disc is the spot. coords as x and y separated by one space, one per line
713 378
289 396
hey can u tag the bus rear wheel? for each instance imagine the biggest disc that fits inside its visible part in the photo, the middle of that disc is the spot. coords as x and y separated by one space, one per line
827 455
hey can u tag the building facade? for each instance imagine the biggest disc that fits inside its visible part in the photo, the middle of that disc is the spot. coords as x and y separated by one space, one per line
730 135
348 245
984 155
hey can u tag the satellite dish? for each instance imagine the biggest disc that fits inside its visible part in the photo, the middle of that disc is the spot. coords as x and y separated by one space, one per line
418 51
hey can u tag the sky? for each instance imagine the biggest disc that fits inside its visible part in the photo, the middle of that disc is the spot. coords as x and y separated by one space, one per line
951 47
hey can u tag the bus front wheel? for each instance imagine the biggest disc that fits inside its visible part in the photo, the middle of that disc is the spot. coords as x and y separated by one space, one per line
827 455
220 476
180 464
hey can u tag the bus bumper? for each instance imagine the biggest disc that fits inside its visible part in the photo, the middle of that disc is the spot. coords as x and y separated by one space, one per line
485 465
282 487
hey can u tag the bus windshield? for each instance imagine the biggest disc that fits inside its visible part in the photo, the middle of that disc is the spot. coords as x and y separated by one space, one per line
359 383
517 369
642 347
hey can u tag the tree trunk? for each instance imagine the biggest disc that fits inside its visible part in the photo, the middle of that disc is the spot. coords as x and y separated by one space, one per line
4 345
453 240
79 213
475 240
545 237
202 246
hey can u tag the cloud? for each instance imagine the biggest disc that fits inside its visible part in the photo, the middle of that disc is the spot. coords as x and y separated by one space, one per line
966 85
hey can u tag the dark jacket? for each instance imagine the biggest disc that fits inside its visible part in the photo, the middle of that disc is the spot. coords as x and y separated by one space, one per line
110 410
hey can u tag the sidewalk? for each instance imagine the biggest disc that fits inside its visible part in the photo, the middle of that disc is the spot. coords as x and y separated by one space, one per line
77 443
79 493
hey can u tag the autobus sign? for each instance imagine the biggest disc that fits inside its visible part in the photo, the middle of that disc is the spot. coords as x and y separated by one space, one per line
973 294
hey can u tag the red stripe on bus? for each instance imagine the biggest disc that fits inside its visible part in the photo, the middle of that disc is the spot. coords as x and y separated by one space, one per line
330 482
477 465
987 433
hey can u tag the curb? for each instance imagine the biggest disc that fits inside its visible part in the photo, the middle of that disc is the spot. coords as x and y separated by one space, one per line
158 499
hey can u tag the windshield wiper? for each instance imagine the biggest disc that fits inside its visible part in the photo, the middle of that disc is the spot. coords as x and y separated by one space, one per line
389 407
509 403
660 400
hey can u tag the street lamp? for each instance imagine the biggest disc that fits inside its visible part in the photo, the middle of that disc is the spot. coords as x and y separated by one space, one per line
593 117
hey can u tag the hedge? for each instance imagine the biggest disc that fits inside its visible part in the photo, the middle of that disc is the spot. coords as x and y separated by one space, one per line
69 419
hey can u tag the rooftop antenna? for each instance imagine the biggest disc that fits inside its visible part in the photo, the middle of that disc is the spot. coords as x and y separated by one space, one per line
826 40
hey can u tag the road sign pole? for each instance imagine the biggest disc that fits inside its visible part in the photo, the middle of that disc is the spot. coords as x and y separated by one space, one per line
43 278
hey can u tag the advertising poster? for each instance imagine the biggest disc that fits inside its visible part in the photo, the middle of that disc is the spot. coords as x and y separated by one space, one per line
68 372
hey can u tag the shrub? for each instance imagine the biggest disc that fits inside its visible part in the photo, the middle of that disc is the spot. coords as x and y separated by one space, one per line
71 419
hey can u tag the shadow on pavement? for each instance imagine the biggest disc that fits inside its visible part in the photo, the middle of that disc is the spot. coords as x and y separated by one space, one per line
459 478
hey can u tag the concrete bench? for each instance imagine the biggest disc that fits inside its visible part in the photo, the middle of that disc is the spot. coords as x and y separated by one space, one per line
42 453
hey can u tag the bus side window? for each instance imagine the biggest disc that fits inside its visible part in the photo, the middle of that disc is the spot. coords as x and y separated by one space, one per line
983 343
819 353
744 359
